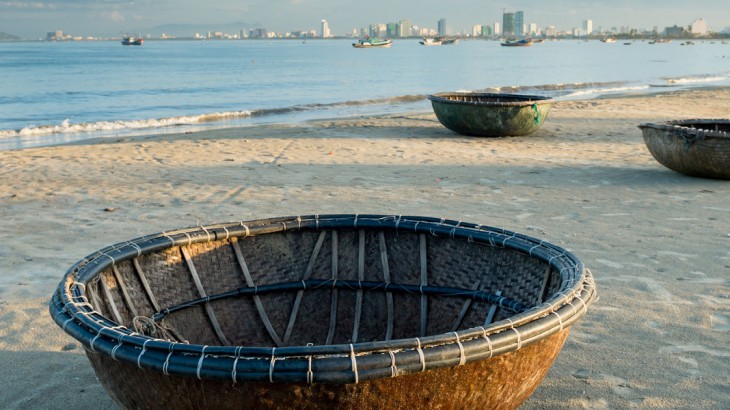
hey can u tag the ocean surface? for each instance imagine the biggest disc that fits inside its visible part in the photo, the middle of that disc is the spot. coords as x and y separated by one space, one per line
54 93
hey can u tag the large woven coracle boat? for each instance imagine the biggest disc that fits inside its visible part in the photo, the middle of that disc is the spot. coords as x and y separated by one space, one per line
699 148
329 311
490 115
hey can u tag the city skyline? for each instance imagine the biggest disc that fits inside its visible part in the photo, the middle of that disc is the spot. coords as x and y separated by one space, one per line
33 19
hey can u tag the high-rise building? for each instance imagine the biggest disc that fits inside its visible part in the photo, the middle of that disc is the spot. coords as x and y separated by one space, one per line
588 27
404 28
519 23
392 30
497 28
325 30
699 27
442 27
508 24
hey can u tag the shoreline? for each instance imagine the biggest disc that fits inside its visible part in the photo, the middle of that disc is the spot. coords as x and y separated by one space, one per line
657 242
304 114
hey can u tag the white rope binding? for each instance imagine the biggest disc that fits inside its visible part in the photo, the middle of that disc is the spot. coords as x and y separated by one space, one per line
271 365
200 362
462 356
393 369
310 374
519 337
354 363
167 363
421 356
489 343
144 349
235 363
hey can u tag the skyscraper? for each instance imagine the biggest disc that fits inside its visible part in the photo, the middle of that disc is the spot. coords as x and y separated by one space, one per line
588 27
404 28
325 31
508 24
442 27
519 23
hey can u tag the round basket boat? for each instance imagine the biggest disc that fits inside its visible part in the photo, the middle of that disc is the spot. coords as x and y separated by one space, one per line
490 115
335 311
699 148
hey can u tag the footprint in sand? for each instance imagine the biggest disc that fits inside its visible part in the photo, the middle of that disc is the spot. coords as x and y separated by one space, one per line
688 364
695 349
619 385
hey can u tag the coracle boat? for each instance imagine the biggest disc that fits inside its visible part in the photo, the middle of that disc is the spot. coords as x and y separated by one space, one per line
699 148
490 115
329 311
373 43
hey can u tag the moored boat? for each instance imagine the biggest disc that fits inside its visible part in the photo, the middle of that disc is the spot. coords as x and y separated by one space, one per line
525 42
131 41
698 148
430 312
373 42
490 115
438 41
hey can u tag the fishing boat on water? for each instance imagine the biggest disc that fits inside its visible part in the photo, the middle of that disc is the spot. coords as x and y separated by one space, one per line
438 41
369 42
525 42
131 41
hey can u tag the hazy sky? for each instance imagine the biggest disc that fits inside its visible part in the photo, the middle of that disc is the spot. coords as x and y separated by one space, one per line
33 18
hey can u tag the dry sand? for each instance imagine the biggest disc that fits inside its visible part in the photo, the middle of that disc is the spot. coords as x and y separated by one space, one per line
657 242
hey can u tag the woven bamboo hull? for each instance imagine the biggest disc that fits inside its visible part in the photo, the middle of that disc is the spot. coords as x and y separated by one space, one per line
699 148
336 311
489 384
490 115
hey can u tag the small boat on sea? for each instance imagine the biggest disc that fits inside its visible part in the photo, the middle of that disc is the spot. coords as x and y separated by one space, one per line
608 40
131 41
373 42
525 42
438 41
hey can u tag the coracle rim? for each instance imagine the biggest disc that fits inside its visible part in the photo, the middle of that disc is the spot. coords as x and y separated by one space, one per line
333 363
525 99
679 128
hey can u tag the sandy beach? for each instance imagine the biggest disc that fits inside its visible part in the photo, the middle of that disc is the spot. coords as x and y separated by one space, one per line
657 242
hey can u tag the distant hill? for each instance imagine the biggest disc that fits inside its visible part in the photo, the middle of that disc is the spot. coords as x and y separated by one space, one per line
188 30
8 37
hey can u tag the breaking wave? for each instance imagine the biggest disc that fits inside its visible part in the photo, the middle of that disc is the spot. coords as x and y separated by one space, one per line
67 126
697 79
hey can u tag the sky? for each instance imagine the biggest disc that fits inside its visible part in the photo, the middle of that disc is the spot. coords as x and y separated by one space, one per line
34 18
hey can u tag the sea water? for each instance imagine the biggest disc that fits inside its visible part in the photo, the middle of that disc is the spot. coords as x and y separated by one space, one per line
53 93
